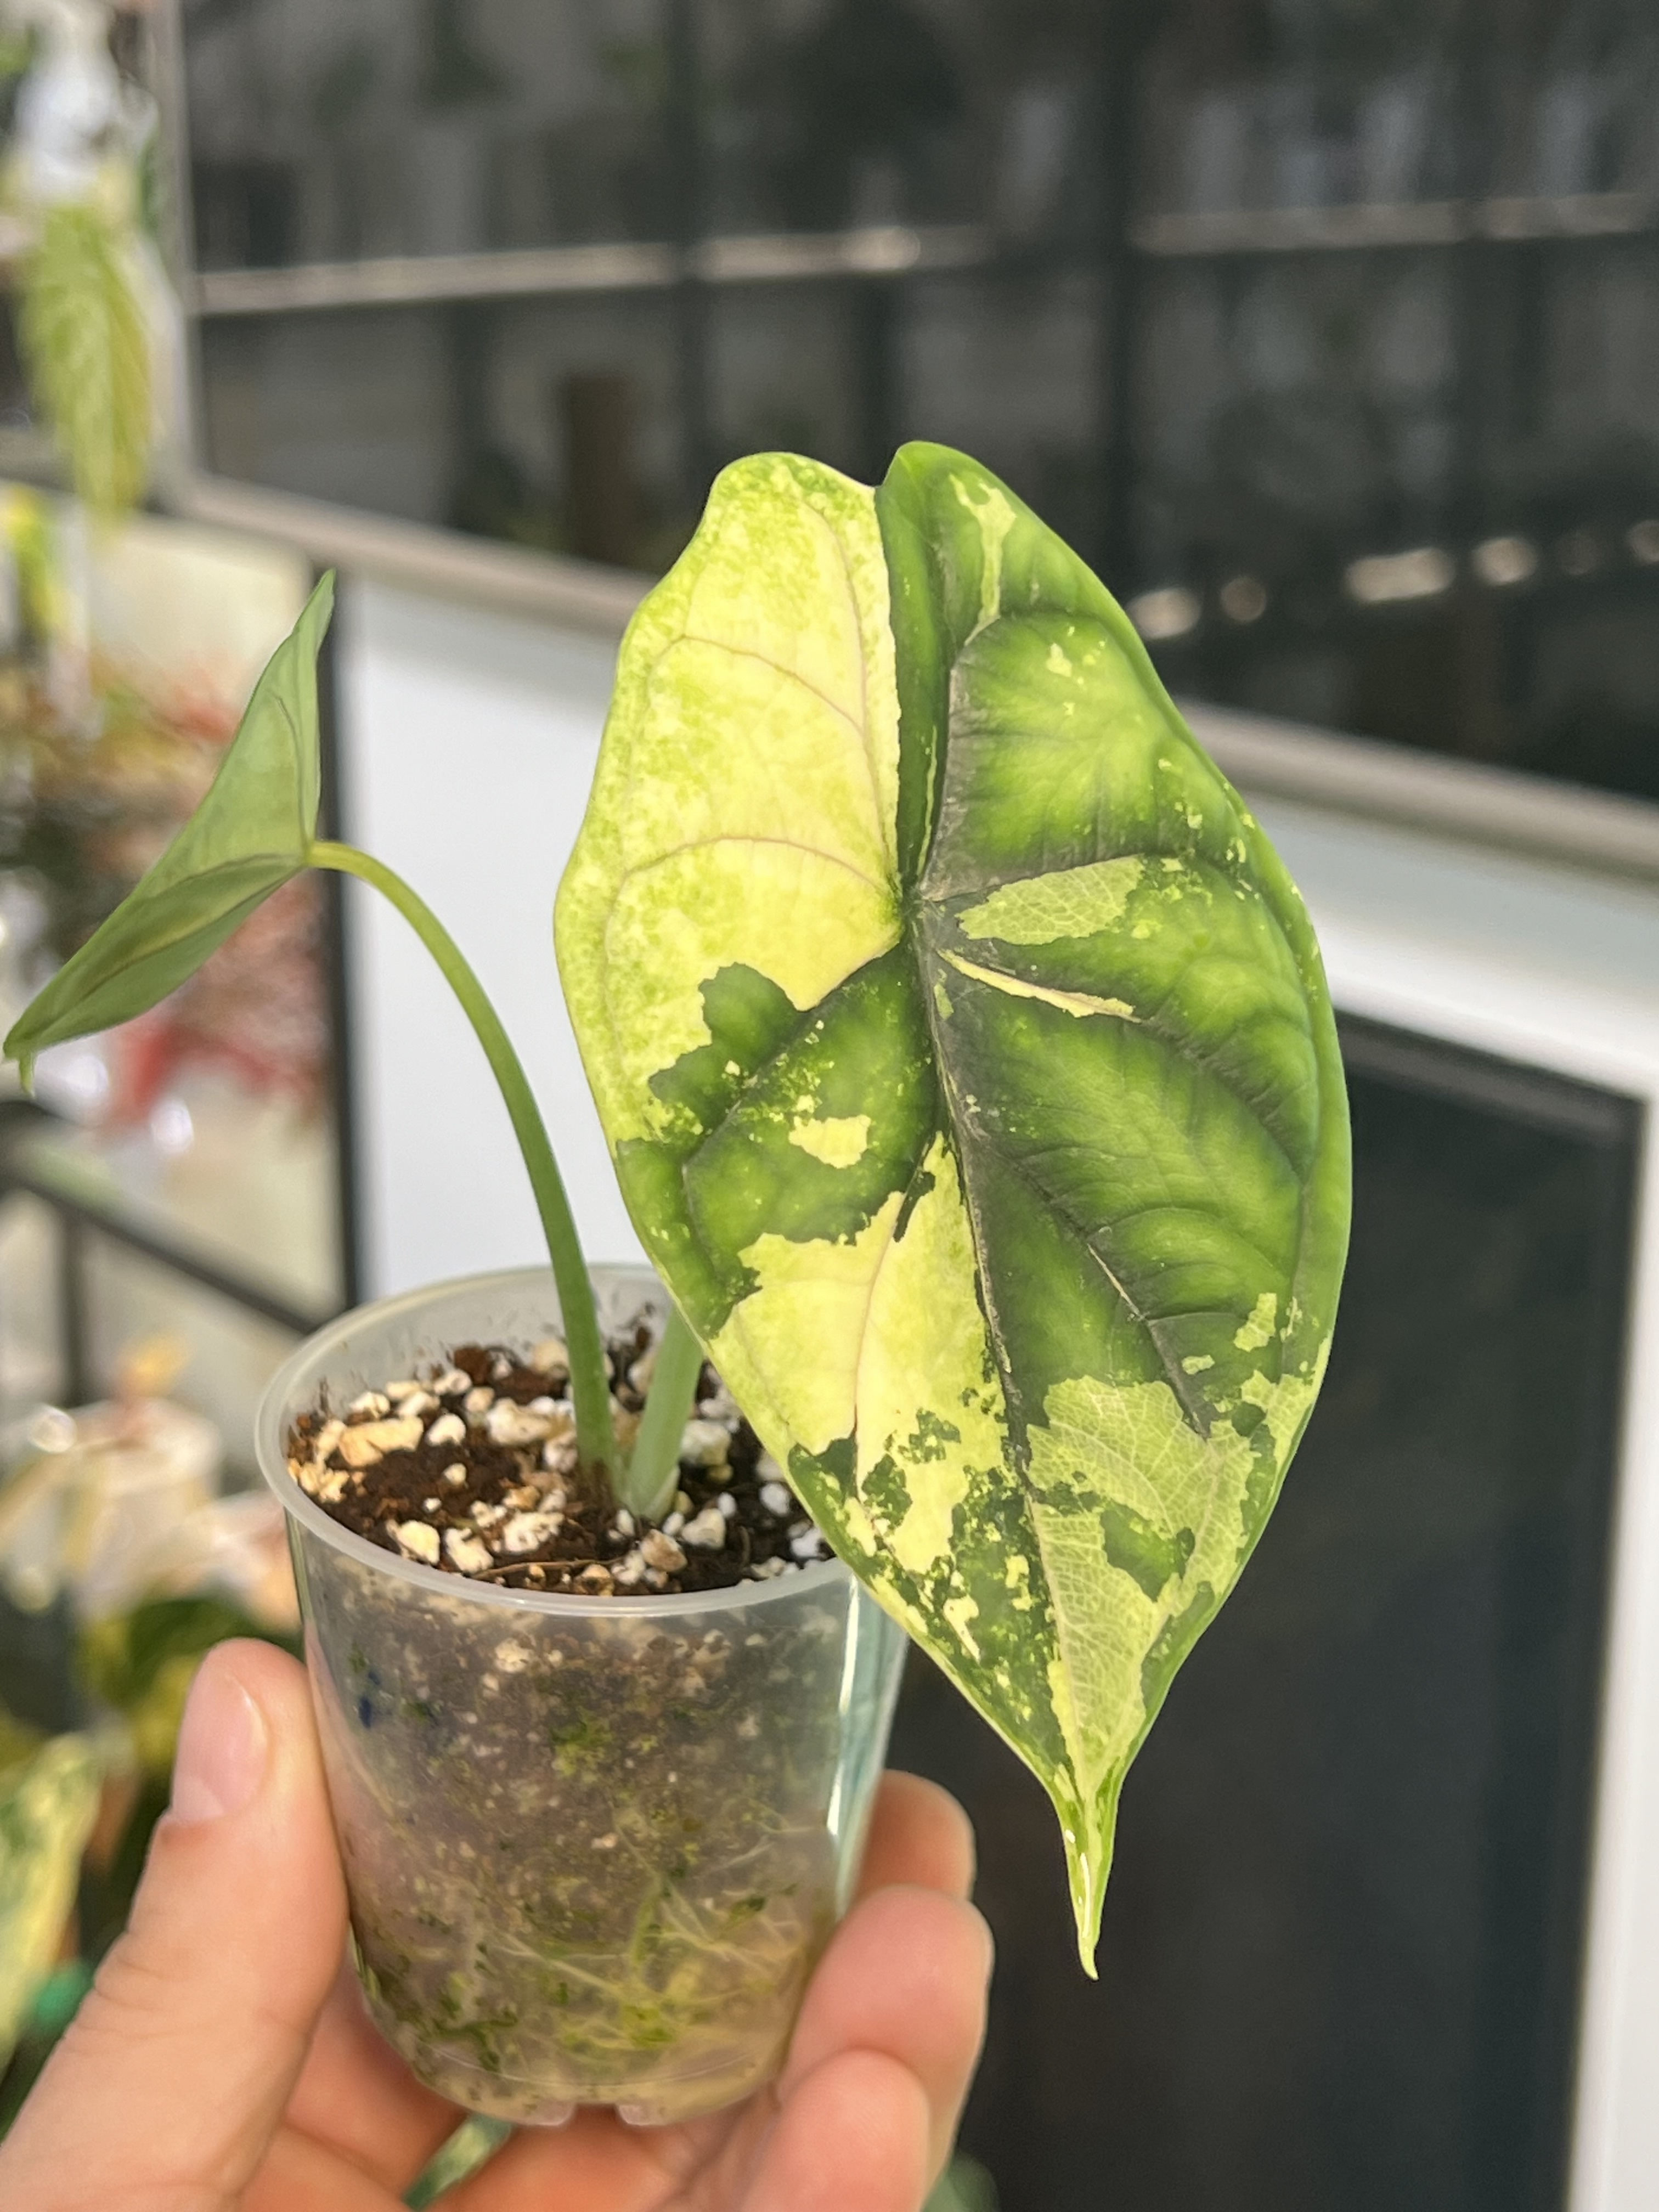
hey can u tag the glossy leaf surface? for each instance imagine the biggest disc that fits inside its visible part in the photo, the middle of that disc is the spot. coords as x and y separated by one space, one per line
966 1057
250 833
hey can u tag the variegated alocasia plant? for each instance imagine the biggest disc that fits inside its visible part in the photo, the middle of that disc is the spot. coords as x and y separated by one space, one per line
966 1057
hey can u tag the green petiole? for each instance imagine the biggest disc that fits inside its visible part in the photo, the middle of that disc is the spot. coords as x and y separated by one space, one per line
645 1481
648 1485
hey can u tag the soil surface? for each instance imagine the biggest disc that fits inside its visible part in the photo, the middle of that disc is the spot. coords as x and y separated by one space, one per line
470 1467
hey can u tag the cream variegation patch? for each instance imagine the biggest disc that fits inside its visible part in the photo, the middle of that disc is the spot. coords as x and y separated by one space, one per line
929 1404
1128 1446
1078 1004
789 1351
839 1140
1070 902
1258 1331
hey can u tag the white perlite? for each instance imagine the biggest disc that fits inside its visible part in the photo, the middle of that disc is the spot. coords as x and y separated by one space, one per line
373 1403
447 1428
629 1571
526 1532
777 1501
705 1444
550 1357
451 1383
707 1532
362 1445
661 1551
418 1540
508 1423
467 1553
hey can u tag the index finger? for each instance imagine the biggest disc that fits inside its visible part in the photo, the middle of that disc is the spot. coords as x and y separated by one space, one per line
920 1837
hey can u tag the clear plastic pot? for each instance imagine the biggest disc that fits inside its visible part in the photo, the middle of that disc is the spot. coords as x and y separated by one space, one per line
594 1846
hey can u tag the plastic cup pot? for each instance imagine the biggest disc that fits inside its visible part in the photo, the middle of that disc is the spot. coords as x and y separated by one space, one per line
594 1846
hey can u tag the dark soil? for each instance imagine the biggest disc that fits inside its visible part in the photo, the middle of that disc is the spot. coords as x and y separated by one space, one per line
505 1501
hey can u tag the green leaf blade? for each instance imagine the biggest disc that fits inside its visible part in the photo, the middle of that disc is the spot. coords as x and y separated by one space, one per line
252 833
1019 1238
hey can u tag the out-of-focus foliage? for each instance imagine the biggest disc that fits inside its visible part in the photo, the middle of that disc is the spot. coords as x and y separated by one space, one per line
86 352
142 1664
48 1802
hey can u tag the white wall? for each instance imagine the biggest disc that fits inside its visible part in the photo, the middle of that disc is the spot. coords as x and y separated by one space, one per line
468 745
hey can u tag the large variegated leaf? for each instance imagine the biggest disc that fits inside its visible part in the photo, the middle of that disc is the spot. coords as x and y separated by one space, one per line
967 1061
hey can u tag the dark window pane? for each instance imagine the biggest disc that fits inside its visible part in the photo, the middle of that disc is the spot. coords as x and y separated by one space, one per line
545 423
422 126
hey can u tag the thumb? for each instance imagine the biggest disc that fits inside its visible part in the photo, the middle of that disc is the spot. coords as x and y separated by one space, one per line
173 2076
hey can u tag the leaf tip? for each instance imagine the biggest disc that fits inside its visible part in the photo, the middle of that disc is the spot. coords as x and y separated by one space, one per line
1087 1863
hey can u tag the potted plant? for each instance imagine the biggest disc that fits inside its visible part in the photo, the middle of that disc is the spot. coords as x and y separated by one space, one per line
966 1059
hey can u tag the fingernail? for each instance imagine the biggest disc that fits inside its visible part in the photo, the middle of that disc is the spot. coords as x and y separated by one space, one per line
223 1747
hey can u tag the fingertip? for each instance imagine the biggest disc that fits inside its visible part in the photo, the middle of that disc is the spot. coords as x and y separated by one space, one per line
273 1678
855 2135
919 1835
907 1973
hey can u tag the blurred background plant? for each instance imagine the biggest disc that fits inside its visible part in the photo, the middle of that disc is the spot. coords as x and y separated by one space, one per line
120 1566
97 320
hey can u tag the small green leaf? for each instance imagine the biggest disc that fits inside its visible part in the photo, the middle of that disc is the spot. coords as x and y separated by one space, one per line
251 832
967 1061
87 351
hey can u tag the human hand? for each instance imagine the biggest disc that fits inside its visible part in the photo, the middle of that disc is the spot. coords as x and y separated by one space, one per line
224 2058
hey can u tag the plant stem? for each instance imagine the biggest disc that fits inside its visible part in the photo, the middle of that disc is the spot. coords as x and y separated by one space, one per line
590 1388
654 1465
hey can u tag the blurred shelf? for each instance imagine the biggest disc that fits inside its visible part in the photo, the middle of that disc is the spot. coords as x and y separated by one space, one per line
410 280
479 572
894 250
1473 801
1363 228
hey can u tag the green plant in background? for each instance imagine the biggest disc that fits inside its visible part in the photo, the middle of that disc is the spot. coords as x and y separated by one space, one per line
49 1790
254 832
965 1055
79 180
86 348
966 1058
136 1667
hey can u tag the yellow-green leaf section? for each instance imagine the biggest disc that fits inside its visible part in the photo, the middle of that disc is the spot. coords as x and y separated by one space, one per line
967 1061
